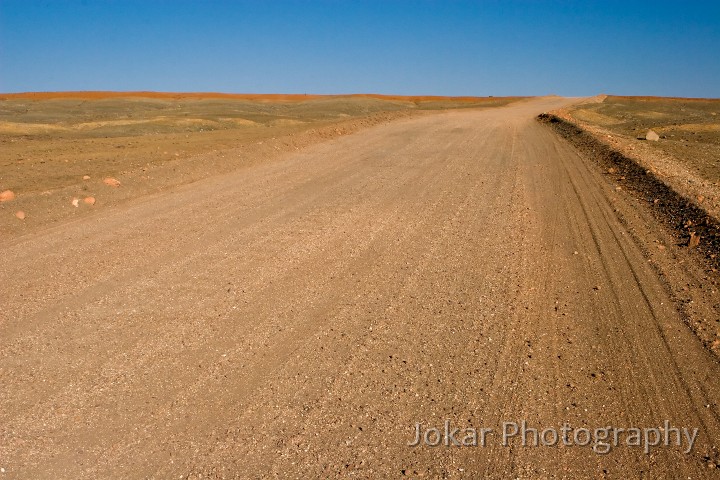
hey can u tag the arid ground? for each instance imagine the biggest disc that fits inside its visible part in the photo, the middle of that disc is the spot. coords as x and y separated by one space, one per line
689 128
58 147
336 272
687 153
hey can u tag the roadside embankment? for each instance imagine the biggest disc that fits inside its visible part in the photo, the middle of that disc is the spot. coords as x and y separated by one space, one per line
679 236
692 224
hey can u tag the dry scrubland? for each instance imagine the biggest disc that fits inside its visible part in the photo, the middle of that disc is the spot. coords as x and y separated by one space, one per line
687 154
56 149
688 128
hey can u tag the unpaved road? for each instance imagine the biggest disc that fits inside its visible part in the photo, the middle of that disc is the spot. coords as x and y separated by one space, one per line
297 319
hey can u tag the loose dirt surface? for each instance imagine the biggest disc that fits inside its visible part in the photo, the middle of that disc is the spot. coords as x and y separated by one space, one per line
297 318
691 228
57 147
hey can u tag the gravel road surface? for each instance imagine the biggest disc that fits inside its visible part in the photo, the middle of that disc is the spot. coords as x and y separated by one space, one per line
299 318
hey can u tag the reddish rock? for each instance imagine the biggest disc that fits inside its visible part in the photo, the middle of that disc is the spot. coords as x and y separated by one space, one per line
694 240
111 182
6 196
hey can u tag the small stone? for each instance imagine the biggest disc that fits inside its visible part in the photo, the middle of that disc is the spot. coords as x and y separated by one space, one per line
694 240
86 177
652 136
89 200
661 247
7 195
75 202
700 198
20 214
611 170
111 182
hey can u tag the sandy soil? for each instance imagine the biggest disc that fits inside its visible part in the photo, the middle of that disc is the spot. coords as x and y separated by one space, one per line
687 155
669 201
298 317
58 147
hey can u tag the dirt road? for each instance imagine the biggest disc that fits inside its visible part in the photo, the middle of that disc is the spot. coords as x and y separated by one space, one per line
298 318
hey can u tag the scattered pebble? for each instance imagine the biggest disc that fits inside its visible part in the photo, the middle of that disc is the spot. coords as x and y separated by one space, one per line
75 202
20 214
86 177
694 240
652 136
89 200
7 195
111 182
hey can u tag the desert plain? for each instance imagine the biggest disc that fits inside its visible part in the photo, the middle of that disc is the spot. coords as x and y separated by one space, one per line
288 286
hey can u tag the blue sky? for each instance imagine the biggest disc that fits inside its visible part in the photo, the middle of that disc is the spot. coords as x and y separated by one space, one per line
393 47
